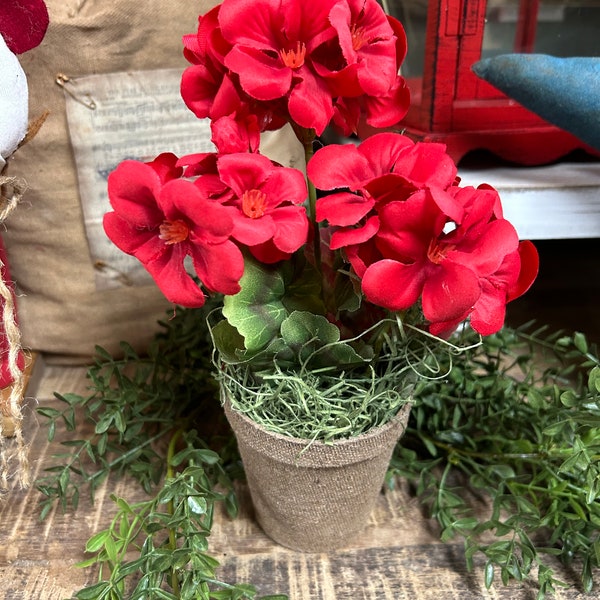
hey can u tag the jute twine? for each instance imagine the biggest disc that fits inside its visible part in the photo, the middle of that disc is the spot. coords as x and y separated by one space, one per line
314 496
13 450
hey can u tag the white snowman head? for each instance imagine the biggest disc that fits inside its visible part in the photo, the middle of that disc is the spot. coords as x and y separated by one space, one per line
22 27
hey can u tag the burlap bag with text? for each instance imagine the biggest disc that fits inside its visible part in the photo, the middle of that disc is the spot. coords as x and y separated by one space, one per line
314 496
61 311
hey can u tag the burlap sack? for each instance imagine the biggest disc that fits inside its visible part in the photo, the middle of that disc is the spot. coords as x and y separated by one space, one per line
314 497
62 312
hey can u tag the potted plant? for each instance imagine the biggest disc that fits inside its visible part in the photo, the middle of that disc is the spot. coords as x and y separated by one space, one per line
338 286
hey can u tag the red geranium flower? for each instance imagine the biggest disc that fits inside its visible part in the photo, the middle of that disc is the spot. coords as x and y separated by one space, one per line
272 43
264 201
206 84
448 272
160 220
382 107
385 167
236 133
369 47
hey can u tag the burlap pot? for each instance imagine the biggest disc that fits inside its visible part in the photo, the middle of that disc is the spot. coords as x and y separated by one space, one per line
314 497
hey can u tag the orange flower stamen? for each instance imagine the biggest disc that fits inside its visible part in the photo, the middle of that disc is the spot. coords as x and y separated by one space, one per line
173 232
254 203
294 58
437 252
359 38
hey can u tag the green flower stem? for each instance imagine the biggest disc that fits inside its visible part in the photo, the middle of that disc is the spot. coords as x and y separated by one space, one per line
171 507
307 137
312 191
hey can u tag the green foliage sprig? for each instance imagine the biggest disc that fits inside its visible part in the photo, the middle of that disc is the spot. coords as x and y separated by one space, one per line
168 535
135 403
517 425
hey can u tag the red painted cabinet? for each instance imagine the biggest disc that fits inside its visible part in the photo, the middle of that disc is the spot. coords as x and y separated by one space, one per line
451 104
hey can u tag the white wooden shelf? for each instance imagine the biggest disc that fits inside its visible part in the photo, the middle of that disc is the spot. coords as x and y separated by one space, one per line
558 201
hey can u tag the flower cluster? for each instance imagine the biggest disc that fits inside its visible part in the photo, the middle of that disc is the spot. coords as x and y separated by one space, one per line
412 233
391 219
258 64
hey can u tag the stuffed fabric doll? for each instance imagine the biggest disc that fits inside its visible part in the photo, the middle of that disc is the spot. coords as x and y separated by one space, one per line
23 24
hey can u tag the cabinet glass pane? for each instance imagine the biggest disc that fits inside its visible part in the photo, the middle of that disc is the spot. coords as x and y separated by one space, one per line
501 20
568 28
560 27
413 16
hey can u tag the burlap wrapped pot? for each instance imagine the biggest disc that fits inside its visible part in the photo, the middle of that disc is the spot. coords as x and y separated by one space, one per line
314 496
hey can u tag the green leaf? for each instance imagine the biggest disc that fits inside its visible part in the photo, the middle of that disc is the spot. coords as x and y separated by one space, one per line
302 287
315 341
257 310
197 505
94 592
97 541
111 549
48 412
228 342
488 574
580 342
594 380
569 398
301 327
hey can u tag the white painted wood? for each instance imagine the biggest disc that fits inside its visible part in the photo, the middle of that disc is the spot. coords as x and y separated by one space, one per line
556 201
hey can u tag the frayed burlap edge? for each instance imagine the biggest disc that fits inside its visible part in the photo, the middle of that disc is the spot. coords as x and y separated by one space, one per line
13 449
314 496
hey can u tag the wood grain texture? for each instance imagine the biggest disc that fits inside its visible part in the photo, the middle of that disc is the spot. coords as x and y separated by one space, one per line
397 556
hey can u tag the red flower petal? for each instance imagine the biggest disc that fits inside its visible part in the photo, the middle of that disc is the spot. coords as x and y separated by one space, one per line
198 89
392 285
427 164
310 104
338 166
209 222
484 253
449 291
268 253
244 171
172 279
291 228
142 243
343 208
285 184
262 76
530 263
251 232
133 188
490 311
388 109
354 236
219 266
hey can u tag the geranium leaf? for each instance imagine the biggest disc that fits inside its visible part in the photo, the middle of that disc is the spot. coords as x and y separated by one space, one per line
257 310
228 341
316 341
302 327
303 289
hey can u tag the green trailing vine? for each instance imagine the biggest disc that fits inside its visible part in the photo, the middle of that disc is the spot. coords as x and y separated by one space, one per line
515 424
168 535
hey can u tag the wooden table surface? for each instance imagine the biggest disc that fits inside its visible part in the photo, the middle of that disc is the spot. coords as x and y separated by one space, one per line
397 557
